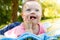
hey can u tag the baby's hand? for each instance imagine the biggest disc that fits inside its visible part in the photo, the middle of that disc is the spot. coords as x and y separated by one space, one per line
29 28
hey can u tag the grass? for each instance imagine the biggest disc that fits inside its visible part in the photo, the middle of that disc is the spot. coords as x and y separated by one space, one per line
2 26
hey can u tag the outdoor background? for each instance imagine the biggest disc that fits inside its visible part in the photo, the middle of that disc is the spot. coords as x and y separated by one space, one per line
10 11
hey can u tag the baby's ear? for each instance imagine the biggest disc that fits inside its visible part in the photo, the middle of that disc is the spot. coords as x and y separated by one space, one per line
21 14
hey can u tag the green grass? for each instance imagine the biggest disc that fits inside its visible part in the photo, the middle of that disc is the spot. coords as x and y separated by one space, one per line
2 26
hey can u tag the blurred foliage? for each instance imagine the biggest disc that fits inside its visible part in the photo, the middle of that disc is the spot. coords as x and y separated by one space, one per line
50 8
5 10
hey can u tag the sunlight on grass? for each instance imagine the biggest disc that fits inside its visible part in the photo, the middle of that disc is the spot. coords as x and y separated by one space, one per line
2 26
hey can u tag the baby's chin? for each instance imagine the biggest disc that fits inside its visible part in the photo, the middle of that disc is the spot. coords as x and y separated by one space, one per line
35 21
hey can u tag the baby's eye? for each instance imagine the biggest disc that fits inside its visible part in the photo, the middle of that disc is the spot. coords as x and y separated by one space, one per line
28 10
37 10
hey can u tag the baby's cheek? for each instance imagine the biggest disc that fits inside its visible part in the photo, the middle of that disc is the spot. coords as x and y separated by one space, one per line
39 17
24 17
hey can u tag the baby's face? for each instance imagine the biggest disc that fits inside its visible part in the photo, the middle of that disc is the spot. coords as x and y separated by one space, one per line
32 12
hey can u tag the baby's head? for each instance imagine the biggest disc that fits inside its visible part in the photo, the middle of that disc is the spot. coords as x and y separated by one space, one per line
31 11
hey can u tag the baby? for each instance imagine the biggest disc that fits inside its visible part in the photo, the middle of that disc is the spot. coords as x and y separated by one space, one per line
31 14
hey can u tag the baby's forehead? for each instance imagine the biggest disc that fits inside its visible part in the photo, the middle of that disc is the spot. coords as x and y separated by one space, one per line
32 4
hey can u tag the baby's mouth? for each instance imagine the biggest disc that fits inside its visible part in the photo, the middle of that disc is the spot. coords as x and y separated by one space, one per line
33 17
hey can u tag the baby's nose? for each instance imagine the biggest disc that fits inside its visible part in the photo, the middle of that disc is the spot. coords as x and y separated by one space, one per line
32 13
